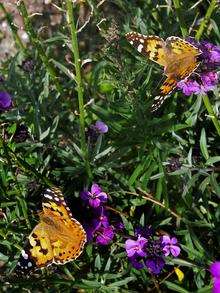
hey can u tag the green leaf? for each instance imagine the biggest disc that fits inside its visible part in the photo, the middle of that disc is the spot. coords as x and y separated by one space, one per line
64 69
203 144
123 282
212 160
175 287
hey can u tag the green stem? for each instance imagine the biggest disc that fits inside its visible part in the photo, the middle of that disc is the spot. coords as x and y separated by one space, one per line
211 113
206 19
37 43
180 17
13 28
75 49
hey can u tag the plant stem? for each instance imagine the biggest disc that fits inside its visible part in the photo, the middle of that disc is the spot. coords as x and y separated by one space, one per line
149 197
211 113
180 17
75 49
206 19
13 28
37 43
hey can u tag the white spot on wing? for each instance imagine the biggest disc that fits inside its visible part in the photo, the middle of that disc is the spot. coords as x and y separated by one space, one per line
48 196
24 254
140 48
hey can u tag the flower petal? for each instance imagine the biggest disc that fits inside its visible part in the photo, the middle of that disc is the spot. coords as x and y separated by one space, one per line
94 202
166 239
215 269
175 250
173 240
96 189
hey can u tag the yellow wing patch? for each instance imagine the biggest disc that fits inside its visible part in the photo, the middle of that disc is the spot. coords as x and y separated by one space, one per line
178 57
57 238
167 87
150 46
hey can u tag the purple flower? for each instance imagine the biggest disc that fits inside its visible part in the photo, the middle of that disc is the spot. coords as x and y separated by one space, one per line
90 231
101 219
143 232
137 262
207 82
5 101
189 87
105 235
155 264
95 197
134 248
215 271
211 52
170 246
100 127
119 226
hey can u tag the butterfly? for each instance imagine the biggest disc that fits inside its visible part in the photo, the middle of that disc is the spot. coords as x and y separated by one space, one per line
178 57
57 238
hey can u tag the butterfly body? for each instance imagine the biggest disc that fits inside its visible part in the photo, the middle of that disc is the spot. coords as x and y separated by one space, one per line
57 238
178 57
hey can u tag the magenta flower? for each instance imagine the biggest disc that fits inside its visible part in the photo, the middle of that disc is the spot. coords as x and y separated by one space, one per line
95 197
134 248
210 51
105 235
170 246
149 251
100 127
209 81
215 271
189 87
5 101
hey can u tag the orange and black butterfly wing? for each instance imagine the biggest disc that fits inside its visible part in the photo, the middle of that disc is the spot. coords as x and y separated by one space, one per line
178 49
26 263
150 46
57 238
69 242
165 90
179 46
187 52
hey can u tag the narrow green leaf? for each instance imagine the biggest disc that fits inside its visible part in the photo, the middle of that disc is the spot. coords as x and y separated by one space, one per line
203 144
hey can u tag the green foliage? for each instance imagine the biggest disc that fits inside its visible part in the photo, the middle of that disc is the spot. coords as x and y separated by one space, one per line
133 162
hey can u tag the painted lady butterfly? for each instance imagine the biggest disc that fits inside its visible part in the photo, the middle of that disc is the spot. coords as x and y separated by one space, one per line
57 238
178 57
